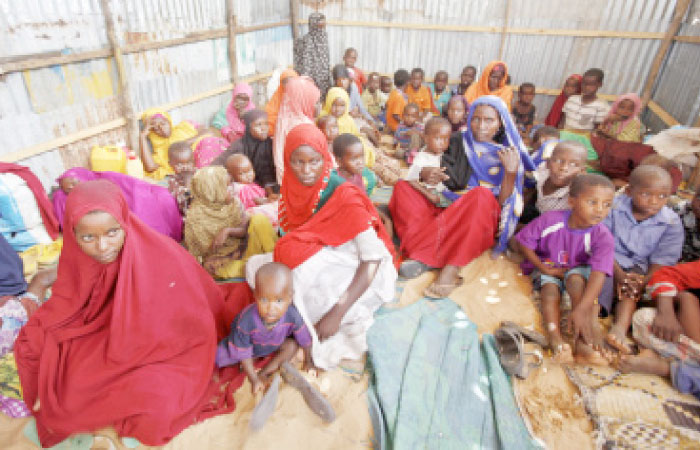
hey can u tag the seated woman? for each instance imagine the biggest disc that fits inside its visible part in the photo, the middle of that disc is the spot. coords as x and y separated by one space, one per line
493 81
229 119
218 232
333 229
128 337
158 129
489 159
152 204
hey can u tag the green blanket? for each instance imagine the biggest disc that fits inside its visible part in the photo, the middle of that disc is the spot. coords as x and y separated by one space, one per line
435 386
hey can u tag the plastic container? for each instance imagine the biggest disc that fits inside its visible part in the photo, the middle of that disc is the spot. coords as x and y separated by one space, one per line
108 158
134 166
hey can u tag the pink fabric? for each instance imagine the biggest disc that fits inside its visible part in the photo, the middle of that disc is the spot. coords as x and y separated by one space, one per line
236 128
151 203
208 149
247 193
634 98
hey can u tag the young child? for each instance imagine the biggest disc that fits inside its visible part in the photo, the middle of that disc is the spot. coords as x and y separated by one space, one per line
456 113
397 100
648 235
408 133
349 154
357 75
439 91
374 99
544 139
586 111
385 85
554 178
272 323
329 127
181 159
466 79
419 94
622 122
437 137
572 250
251 195
524 110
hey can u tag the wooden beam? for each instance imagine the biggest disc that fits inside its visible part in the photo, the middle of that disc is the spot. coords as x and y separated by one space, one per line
231 20
189 39
690 39
504 31
665 117
61 141
123 76
673 27
294 16
38 62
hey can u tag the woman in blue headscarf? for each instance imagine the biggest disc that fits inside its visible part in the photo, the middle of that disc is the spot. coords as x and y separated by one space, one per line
484 169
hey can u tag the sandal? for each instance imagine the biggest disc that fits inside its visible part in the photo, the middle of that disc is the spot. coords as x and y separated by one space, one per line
412 268
530 335
512 354
313 398
431 293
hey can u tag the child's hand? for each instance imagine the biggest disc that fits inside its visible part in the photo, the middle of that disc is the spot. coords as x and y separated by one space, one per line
581 324
557 272
257 385
220 238
433 175
666 326
510 159
260 200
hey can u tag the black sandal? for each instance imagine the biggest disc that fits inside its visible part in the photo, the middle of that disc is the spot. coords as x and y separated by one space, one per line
412 268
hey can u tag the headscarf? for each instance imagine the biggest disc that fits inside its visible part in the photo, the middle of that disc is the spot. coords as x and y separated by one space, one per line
554 115
273 106
235 124
51 224
11 270
130 343
463 123
311 54
329 213
346 124
481 87
487 170
211 210
180 132
298 106
634 98
258 152
151 203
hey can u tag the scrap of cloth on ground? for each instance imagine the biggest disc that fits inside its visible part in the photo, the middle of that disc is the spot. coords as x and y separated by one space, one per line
130 343
436 386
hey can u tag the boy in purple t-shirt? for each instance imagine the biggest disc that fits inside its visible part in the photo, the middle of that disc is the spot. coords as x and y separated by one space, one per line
572 249
265 327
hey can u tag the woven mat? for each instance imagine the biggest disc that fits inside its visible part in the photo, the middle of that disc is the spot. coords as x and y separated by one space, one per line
637 411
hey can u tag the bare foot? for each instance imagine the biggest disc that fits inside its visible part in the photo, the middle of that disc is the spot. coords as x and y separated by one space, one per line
648 361
562 353
616 339
447 281
588 356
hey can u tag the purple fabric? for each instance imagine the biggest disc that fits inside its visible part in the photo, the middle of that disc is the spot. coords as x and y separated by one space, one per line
557 245
686 378
250 338
13 407
151 203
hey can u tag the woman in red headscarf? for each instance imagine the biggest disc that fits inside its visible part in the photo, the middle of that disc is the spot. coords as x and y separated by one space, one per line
493 81
332 229
129 335
572 86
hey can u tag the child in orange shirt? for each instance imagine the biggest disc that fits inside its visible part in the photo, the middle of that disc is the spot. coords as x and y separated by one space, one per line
397 100
419 94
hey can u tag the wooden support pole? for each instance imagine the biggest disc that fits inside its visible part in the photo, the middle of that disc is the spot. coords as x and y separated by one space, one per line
132 126
504 31
294 17
233 61
678 14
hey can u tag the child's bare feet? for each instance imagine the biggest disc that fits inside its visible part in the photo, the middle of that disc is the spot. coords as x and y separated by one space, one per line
648 361
617 339
561 351
588 356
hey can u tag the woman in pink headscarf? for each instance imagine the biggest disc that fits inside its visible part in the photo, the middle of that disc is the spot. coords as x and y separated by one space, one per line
622 122
229 120
151 203
298 106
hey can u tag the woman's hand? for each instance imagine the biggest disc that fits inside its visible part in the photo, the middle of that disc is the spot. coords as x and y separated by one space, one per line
329 324
220 238
510 159
433 175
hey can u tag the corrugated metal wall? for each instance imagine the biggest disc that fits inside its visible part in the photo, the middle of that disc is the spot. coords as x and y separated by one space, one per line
544 60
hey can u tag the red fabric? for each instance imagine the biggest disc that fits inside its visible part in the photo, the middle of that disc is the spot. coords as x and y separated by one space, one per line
129 344
359 78
347 213
42 200
554 115
675 279
617 159
440 236
297 202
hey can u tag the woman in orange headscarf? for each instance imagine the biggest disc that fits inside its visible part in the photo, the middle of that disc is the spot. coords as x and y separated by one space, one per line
492 82
273 106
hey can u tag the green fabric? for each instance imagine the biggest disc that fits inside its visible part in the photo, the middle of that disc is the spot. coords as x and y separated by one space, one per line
435 386
586 142
219 121
369 180
81 441
334 180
